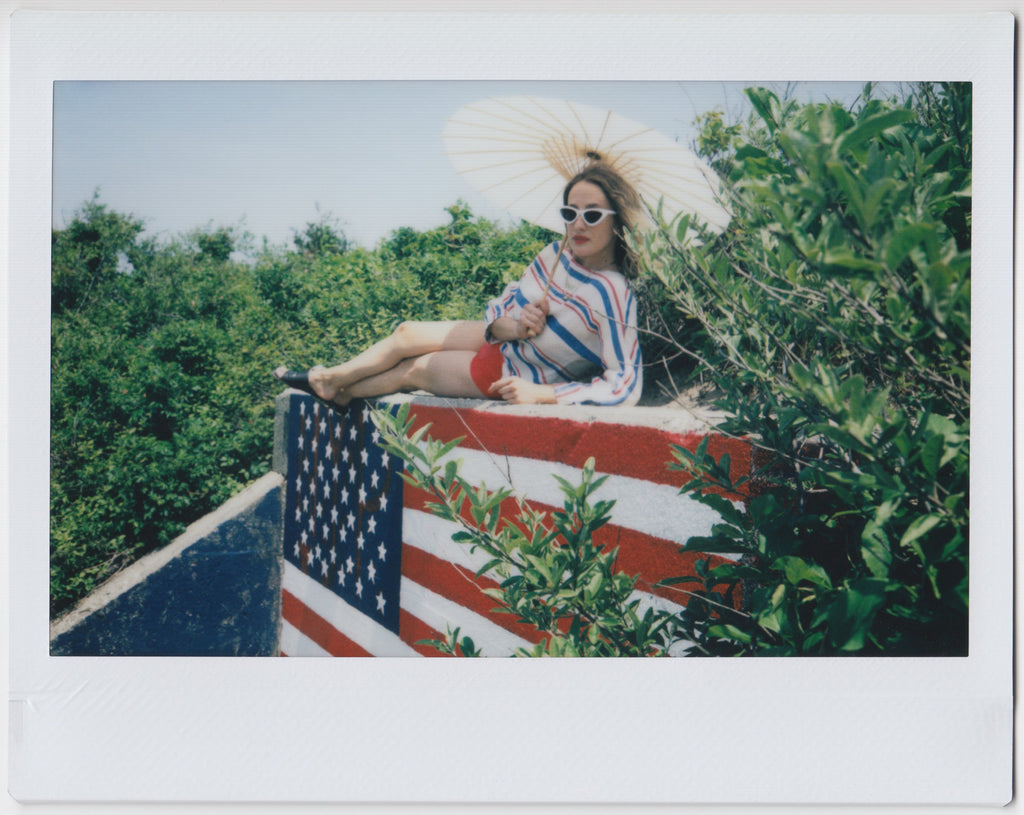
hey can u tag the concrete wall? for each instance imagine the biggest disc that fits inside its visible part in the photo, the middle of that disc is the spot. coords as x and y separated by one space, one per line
213 591
263 575
351 589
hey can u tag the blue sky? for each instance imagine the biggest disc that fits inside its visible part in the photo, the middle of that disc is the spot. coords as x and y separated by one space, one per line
269 157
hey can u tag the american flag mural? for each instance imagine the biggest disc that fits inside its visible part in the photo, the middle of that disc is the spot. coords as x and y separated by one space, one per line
370 571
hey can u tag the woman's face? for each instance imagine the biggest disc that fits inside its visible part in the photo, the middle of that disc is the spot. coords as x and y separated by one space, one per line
593 246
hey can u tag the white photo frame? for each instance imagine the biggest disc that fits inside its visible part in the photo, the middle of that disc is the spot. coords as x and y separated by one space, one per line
895 731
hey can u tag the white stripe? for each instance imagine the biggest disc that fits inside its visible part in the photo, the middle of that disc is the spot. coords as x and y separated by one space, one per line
439 612
658 510
296 644
434 535
431 534
431 608
348 620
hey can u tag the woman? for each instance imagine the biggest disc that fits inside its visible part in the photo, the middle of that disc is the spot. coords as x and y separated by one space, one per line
565 333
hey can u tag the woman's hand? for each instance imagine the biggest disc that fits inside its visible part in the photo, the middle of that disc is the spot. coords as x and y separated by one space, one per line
518 391
533 318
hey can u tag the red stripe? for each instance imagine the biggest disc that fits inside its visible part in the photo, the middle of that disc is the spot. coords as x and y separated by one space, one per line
461 587
318 629
638 452
650 557
412 629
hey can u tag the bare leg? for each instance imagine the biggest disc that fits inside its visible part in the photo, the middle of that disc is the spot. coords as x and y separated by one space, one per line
443 373
410 339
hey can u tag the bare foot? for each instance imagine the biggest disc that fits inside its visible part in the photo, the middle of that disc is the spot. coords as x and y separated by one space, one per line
321 381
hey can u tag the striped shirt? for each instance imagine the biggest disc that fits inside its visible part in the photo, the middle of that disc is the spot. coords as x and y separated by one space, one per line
589 348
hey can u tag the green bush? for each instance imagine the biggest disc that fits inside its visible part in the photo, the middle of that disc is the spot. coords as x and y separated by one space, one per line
836 320
161 394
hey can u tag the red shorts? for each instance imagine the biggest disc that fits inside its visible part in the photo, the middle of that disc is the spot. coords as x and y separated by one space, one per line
486 367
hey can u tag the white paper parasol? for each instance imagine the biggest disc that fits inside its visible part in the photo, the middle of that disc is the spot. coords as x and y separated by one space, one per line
520 151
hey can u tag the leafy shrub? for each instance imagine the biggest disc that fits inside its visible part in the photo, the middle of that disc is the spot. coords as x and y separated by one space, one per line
161 394
836 317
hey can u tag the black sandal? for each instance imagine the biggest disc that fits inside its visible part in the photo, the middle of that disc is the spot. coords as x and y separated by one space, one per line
296 379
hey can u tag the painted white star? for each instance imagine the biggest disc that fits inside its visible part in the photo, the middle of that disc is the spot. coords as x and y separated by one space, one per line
364 455
305 465
374 479
334 472
327 489
334 515
371 572
327 531
349 565
351 521
302 409
309 423
320 470
319 510
359 540
304 537
380 602
298 514
359 587
362 495
344 454
385 459
352 432
315 444
298 483
366 413
305 504
323 568
383 502
371 525
352 475
316 554
334 555
323 425
343 535
382 552
312 524
341 577
376 435
337 431
296 550
344 495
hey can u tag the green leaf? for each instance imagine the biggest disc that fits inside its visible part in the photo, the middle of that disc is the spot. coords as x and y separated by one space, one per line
852 613
875 549
919 527
871 126
765 103
900 241
730 632
797 569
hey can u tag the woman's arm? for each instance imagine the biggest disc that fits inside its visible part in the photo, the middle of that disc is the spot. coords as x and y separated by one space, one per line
519 391
530 323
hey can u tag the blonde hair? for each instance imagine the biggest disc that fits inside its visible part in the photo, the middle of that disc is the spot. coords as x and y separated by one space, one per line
622 198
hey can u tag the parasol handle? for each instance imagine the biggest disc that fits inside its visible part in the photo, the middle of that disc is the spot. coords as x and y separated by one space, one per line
551 278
